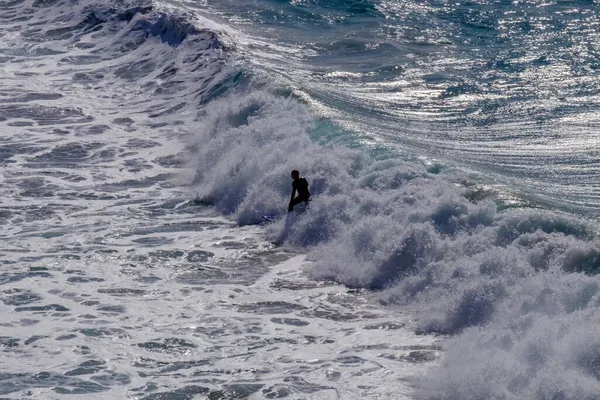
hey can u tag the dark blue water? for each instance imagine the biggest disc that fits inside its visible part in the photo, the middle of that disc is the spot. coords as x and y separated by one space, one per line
504 89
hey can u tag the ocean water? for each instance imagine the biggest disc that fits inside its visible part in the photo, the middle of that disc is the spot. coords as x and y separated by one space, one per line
450 251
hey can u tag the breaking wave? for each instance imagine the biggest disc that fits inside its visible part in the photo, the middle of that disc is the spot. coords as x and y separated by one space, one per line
514 289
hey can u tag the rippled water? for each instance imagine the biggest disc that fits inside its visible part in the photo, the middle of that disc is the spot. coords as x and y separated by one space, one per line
503 89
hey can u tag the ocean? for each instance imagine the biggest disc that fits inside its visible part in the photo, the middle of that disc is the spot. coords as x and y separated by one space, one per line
450 250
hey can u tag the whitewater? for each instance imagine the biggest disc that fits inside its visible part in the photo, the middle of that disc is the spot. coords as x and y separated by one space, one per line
450 251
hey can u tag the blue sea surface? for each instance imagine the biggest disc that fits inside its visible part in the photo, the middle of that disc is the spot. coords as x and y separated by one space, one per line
452 238
503 89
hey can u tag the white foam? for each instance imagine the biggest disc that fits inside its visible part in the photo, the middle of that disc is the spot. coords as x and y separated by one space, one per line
461 266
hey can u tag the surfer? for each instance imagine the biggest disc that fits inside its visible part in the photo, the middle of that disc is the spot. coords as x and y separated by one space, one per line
299 185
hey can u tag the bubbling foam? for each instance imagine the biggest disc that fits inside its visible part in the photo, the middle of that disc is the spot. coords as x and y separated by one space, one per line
508 286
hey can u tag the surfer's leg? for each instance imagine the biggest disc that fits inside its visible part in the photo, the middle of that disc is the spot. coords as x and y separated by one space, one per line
296 201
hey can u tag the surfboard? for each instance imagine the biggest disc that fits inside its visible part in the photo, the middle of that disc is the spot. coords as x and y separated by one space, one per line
271 218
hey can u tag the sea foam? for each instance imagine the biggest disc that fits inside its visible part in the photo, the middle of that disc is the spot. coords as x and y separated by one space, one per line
515 290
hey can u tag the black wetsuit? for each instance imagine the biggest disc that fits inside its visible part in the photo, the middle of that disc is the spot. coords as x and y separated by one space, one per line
299 185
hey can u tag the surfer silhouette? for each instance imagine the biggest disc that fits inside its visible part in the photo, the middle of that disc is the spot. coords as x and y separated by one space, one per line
299 185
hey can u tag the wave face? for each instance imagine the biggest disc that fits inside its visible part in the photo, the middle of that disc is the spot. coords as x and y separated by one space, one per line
503 88
480 246
495 89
